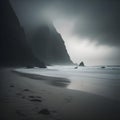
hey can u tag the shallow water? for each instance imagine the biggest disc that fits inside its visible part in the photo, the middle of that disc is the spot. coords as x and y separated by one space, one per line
104 82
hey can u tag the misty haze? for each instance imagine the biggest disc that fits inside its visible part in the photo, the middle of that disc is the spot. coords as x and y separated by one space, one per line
60 60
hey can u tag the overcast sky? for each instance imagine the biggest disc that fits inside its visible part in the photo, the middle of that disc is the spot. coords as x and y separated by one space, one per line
90 28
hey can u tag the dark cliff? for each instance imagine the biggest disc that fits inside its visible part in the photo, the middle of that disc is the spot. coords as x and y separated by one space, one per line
49 46
14 50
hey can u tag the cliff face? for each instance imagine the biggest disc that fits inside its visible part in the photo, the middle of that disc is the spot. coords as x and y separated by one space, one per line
49 46
14 49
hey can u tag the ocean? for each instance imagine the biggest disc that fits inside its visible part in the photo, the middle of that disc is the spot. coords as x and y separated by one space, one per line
103 81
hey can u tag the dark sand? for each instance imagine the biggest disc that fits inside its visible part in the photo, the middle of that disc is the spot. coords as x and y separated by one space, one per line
23 97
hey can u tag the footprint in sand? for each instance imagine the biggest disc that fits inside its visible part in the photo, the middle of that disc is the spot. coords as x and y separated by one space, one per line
26 90
31 96
52 114
36 100
44 112
12 86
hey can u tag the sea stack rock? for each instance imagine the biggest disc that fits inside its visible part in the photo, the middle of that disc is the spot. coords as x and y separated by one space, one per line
81 64
14 50
49 46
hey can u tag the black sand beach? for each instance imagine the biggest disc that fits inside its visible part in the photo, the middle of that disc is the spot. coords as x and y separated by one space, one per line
25 98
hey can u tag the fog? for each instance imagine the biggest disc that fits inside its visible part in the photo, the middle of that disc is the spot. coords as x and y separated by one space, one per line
90 29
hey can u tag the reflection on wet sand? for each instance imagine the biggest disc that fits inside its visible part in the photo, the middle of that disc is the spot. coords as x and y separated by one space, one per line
60 83
55 81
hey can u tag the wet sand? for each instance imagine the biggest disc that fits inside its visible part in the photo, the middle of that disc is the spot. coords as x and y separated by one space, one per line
28 97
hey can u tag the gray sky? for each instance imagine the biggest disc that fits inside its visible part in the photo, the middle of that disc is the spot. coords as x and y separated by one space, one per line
90 28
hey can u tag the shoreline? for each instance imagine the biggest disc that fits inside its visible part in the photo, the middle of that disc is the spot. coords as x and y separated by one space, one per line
54 81
24 98
102 83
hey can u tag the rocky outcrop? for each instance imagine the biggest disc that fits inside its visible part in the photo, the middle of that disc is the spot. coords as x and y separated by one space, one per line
81 64
49 46
14 50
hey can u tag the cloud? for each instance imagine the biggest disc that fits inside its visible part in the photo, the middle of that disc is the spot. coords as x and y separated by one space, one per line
98 20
